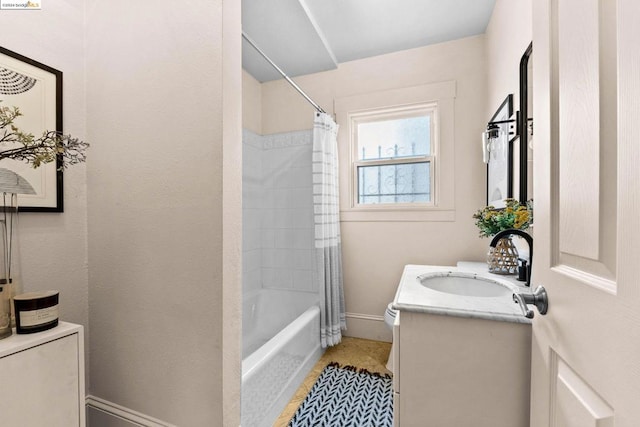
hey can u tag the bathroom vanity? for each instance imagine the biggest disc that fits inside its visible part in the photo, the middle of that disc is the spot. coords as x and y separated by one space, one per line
462 349
43 378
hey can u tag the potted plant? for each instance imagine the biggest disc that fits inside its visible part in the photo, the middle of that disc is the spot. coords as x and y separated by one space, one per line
503 259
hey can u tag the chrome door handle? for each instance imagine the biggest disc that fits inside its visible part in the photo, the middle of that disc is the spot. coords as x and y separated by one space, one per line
538 298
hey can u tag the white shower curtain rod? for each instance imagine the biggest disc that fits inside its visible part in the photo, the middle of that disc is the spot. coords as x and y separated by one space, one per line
287 78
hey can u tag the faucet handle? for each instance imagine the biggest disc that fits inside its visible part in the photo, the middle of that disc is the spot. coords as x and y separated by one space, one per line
538 298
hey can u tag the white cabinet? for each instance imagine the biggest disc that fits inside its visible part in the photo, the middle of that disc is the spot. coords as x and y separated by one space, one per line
42 378
457 371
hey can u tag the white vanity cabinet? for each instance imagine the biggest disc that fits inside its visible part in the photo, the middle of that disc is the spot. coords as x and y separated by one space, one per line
454 371
462 350
42 377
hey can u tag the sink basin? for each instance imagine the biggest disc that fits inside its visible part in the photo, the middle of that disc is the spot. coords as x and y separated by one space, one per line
466 284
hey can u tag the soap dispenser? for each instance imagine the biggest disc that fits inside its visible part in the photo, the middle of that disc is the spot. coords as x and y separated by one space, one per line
523 270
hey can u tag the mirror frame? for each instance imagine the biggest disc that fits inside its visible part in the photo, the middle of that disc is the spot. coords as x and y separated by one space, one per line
523 120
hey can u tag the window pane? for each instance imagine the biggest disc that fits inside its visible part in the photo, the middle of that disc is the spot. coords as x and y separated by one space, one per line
394 138
402 183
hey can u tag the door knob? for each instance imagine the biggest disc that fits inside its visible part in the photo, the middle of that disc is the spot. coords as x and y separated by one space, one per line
538 298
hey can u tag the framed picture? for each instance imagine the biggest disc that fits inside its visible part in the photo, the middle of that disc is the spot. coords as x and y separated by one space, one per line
36 90
500 155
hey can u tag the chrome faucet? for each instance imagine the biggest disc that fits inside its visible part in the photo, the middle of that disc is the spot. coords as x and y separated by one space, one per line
527 237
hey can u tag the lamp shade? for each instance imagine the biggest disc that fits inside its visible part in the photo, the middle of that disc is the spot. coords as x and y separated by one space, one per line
11 182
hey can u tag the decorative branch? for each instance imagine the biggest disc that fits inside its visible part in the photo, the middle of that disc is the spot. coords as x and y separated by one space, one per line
47 148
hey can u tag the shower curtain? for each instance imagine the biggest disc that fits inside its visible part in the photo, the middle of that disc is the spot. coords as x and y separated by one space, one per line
327 230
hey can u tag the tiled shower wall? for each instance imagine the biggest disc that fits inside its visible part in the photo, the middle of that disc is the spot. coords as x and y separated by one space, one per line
251 211
278 211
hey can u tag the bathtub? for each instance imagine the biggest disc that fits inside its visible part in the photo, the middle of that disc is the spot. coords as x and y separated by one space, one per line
280 345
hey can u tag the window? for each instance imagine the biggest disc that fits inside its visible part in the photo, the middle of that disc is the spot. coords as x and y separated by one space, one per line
396 149
394 156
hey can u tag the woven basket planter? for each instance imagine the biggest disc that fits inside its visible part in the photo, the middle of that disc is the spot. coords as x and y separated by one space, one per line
503 259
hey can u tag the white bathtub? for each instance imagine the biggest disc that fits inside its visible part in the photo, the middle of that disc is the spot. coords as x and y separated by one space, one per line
281 343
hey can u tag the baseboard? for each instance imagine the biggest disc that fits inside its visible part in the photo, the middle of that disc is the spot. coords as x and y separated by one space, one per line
367 326
121 413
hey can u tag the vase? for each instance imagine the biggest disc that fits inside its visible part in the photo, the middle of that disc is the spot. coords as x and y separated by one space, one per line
11 184
8 228
503 259
5 311
10 283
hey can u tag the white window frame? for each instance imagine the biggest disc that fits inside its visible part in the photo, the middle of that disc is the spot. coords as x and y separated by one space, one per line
394 113
442 206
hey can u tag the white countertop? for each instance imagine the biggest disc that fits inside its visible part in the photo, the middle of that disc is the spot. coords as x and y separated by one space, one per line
413 296
18 342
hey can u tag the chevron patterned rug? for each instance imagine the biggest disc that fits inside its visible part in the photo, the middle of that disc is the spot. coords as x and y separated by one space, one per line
347 397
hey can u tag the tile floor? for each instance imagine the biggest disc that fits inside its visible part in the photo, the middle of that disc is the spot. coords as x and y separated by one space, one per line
367 354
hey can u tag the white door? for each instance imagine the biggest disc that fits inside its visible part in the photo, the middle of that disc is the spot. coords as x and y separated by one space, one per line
586 350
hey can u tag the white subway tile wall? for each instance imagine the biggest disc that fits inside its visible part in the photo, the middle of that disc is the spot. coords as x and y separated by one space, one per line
251 211
278 211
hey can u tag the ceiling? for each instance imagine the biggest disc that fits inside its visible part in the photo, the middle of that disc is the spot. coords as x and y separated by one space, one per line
308 36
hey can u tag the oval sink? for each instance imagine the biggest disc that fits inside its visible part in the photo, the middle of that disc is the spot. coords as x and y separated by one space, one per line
464 284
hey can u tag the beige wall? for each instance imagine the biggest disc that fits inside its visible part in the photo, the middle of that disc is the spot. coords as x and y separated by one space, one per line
53 246
251 103
508 34
164 120
374 253
164 254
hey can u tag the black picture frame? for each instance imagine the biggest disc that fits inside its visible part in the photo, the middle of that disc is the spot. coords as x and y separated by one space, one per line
41 104
500 157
